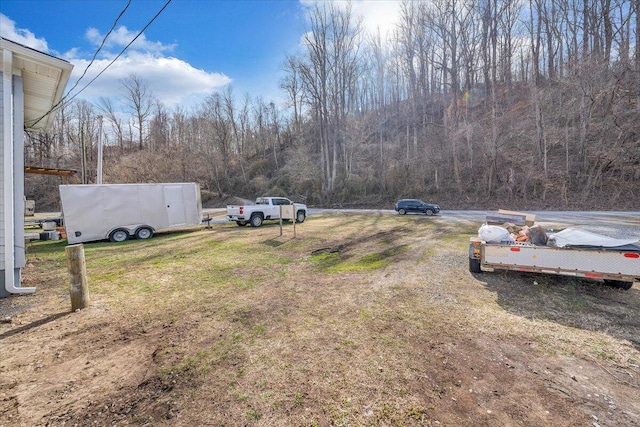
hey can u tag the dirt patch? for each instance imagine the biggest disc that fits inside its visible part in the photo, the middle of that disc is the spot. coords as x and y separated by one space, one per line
215 328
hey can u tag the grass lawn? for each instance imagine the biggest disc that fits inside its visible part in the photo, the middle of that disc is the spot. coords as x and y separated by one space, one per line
358 320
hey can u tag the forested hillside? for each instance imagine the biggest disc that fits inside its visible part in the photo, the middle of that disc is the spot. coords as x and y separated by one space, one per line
470 104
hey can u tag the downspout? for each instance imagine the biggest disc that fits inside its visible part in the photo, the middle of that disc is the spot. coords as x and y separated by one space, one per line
9 205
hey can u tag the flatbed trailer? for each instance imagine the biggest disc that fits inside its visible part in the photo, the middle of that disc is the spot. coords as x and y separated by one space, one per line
618 268
37 222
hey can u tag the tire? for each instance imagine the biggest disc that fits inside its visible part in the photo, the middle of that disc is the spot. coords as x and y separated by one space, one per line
474 265
429 212
241 223
626 286
619 284
119 235
144 233
402 212
256 220
300 216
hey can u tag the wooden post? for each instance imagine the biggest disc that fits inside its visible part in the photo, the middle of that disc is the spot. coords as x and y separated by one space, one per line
77 268
295 219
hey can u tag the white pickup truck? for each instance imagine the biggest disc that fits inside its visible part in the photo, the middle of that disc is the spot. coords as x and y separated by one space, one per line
265 208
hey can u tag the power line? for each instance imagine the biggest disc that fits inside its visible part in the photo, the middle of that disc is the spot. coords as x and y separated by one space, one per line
123 50
104 40
66 101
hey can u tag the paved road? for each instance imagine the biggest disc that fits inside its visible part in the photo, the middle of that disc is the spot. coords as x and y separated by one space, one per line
609 223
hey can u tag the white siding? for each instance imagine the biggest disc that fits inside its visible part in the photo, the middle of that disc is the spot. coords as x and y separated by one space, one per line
18 172
2 237
17 176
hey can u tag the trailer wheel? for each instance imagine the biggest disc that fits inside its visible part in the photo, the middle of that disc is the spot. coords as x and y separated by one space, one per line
143 233
626 285
619 284
119 235
300 216
241 223
474 265
256 220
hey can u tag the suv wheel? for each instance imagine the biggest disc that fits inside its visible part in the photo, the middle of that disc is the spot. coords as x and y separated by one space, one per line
402 211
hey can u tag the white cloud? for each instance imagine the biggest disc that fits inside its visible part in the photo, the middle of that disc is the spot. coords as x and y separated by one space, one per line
25 37
121 37
171 80
377 15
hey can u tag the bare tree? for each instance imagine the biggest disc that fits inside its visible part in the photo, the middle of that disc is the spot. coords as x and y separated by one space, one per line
637 55
329 75
140 102
86 134
159 127
292 85
108 110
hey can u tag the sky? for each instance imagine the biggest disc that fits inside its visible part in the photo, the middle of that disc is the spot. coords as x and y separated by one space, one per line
192 49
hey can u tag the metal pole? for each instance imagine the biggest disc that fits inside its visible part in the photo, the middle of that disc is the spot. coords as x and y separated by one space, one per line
99 177
84 156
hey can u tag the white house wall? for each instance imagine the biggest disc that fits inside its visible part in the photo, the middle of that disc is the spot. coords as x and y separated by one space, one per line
12 208
2 182
18 173
32 84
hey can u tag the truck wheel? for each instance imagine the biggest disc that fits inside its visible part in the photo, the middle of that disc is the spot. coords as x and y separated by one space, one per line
119 235
143 233
619 284
300 216
429 212
474 265
241 223
402 211
256 220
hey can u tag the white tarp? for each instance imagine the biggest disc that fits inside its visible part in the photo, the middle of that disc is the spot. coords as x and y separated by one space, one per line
572 237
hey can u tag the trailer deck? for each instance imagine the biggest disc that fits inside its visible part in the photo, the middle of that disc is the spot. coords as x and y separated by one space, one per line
614 261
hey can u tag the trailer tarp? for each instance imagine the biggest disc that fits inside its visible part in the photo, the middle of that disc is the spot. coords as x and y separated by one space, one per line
575 238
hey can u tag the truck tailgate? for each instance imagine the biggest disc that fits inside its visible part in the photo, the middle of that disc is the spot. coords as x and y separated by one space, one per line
233 210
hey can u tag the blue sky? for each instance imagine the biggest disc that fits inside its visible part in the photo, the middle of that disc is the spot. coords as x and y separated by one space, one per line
193 48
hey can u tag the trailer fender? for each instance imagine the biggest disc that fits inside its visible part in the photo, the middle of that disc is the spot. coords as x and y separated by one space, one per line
475 248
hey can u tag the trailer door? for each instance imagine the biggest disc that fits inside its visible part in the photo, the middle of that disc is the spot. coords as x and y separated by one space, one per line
174 201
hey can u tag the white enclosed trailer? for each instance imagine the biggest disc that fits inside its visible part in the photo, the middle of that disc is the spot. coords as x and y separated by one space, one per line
120 211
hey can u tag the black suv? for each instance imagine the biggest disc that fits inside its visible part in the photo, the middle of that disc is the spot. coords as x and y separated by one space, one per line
418 206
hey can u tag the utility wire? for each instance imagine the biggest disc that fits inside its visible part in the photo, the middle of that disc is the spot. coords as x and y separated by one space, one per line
65 100
104 40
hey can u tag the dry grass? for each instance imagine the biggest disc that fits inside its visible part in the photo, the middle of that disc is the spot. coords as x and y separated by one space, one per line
360 320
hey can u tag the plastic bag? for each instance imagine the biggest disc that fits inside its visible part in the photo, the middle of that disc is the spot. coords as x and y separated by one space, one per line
494 234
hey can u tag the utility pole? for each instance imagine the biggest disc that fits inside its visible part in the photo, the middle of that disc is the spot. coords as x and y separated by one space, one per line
99 177
84 157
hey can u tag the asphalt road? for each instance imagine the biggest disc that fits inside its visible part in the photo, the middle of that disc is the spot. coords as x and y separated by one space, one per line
609 223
